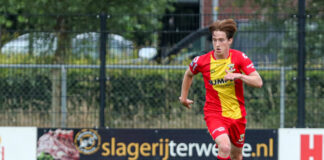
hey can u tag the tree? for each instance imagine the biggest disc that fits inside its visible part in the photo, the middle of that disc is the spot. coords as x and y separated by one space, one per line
126 18
280 18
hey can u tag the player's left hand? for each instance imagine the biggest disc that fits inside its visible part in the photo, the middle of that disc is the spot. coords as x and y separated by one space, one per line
232 76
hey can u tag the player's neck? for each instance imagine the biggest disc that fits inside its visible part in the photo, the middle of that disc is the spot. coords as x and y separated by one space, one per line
221 55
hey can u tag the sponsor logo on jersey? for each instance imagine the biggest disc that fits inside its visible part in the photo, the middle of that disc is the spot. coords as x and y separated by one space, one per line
220 129
217 81
250 66
244 55
194 64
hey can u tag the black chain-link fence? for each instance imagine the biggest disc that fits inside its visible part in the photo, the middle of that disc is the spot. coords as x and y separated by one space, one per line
49 71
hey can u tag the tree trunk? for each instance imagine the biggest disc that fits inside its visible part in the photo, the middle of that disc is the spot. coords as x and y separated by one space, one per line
60 55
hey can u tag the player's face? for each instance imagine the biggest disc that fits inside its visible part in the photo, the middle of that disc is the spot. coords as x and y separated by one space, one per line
221 44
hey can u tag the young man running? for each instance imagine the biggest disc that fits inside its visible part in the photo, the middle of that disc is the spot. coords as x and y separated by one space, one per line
222 70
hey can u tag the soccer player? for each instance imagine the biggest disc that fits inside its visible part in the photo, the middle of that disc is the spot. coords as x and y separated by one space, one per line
224 71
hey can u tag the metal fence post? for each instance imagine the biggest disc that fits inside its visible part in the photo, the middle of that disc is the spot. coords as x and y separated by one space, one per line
63 97
102 79
301 64
282 97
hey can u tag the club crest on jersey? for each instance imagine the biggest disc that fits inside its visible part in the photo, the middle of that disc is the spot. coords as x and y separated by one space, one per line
231 67
241 140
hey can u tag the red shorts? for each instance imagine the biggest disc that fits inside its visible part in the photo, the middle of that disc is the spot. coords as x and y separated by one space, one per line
234 128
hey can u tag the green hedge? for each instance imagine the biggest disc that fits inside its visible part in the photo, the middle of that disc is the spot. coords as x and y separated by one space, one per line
150 94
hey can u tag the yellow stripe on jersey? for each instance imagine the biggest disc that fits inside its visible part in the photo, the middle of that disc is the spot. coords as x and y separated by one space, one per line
225 89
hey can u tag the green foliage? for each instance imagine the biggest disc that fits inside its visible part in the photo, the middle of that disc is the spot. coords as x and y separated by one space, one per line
21 90
135 23
147 94
277 17
280 6
44 156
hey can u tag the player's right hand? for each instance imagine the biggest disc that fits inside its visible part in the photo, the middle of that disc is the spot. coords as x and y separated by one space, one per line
186 102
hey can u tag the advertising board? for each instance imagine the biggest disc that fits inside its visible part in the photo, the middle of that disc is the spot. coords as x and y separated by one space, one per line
133 144
301 144
17 143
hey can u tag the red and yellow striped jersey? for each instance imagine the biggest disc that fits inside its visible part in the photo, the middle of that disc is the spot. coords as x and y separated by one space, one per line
223 97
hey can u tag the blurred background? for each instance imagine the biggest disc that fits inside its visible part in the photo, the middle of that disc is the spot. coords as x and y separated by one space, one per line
120 64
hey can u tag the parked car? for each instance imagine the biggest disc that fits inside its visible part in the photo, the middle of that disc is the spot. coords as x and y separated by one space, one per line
89 44
81 44
34 43
147 52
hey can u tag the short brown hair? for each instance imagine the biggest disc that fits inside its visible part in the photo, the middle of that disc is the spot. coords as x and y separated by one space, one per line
226 25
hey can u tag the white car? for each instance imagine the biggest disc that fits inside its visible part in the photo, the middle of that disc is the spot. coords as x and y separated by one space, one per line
36 43
41 43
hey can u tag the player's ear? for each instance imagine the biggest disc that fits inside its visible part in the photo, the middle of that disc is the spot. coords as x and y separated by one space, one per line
230 41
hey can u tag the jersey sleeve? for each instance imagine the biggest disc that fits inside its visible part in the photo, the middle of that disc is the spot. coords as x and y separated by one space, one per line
246 64
194 67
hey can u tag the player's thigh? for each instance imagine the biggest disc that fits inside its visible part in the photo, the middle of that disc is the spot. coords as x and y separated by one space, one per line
223 138
216 125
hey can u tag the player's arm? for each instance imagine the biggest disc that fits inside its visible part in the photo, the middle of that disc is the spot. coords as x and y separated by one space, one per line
186 84
253 79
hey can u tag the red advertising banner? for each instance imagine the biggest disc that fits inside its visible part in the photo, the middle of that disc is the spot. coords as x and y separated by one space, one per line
301 143
133 144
